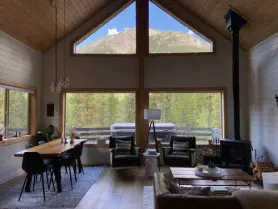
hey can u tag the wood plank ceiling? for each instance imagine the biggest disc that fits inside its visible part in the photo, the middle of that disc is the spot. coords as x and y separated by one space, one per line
262 16
32 21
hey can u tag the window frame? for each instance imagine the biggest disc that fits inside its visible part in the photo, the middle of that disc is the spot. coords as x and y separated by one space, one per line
32 105
221 90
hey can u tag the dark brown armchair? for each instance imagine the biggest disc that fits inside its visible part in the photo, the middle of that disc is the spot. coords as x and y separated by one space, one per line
181 152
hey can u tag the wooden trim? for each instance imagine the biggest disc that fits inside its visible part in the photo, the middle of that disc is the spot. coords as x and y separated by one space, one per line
103 55
98 90
33 113
15 140
18 85
183 54
142 50
188 89
62 113
94 28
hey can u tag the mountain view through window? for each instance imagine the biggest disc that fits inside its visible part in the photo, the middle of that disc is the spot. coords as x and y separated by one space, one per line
166 35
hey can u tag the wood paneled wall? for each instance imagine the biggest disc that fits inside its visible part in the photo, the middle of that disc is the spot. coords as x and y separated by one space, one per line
20 64
262 105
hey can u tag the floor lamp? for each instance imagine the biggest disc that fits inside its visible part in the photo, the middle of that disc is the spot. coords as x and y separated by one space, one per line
152 114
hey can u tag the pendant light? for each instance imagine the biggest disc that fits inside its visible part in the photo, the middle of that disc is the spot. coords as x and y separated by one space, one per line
55 86
64 82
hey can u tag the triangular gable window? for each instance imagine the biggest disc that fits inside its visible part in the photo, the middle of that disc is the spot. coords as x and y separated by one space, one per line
117 36
169 35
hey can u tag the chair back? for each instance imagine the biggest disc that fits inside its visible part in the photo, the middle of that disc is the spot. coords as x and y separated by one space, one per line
33 163
190 140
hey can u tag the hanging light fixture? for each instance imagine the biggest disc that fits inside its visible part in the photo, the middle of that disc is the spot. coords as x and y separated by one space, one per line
64 82
55 86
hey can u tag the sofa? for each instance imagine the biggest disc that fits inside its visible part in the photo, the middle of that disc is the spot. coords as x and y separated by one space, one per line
165 198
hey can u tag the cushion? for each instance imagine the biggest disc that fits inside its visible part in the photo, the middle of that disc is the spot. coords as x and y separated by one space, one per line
196 191
171 185
180 147
123 147
183 156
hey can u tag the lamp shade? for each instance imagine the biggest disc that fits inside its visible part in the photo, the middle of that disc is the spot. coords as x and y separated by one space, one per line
152 114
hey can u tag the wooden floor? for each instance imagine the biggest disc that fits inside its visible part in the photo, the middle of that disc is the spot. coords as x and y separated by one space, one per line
114 189
117 189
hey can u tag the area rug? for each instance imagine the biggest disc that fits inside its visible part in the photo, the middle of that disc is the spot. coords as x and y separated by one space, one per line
148 198
69 198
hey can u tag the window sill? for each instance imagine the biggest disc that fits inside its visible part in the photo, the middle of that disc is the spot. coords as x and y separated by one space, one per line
14 140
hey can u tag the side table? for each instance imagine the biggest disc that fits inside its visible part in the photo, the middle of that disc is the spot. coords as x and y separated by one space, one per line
151 163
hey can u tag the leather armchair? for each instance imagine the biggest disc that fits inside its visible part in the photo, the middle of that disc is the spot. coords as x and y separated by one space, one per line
124 160
180 160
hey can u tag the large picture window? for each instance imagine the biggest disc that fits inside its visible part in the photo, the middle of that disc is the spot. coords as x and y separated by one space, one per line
99 115
188 114
14 111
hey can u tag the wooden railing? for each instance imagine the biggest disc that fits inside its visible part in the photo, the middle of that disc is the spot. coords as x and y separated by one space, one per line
201 134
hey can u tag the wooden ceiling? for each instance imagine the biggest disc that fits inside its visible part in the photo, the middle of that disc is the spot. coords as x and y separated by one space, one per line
32 21
262 16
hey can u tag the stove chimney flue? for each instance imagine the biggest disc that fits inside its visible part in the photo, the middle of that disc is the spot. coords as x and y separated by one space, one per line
234 22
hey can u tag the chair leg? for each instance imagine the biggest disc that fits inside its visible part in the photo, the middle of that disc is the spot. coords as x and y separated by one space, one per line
51 179
22 188
81 166
47 182
74 171
43 187
66 170
34 180
70 177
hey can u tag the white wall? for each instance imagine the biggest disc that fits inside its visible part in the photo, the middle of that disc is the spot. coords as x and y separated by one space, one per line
21 64
263 108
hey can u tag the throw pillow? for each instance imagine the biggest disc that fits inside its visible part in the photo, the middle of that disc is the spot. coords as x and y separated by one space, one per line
180 147
123 147
196 191
171 186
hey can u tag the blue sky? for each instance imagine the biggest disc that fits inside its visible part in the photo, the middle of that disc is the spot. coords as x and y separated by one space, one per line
158 19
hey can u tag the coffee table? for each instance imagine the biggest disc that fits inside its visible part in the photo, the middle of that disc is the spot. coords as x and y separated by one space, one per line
237 176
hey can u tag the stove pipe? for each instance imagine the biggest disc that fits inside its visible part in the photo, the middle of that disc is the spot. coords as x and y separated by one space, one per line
234 22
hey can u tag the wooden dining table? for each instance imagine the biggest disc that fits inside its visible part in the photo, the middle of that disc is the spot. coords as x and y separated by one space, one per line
52 150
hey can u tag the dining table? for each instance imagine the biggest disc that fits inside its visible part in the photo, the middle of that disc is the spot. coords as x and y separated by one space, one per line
52 150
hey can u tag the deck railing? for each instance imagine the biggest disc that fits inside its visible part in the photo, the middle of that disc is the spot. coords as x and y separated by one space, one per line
201 134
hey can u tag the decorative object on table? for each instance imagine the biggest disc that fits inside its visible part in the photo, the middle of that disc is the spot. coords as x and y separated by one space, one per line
73 134
180 152
276 98
64 82
263 164
209 172
152 114
200 167
221 190
55 86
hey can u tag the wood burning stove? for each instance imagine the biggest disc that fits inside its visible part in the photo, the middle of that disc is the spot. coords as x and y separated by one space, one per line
235 154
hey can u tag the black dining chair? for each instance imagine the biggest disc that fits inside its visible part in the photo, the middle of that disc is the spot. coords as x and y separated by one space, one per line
68 160
78 153
33 164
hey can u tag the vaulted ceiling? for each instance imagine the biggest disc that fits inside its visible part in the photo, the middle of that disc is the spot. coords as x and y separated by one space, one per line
33 22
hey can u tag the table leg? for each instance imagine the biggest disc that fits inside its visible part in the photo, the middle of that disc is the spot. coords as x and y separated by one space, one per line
57 173
28 183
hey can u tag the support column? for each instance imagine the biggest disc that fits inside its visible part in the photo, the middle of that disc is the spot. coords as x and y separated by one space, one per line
142 50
